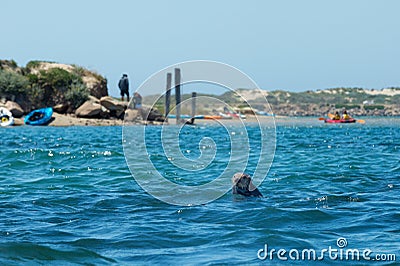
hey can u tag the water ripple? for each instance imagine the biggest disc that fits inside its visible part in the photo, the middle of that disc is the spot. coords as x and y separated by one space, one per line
67 197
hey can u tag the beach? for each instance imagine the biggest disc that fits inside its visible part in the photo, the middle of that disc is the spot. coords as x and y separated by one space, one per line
61 120
65 120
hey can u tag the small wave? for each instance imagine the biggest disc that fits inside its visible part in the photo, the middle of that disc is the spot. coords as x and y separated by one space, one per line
35 253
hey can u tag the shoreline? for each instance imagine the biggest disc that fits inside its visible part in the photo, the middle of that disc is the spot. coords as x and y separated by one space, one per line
60 120
63 120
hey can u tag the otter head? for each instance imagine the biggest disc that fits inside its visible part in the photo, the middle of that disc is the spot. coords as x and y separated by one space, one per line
242 185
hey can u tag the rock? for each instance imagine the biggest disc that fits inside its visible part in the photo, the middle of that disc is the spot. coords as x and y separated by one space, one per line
132 115
61 108
115 107
15 109
151 114
96 84
89 109
105 113
94 99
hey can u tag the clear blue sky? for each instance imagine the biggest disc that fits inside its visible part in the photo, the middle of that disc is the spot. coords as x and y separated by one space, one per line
291 45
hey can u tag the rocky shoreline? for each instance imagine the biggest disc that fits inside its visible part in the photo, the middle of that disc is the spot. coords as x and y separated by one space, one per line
95 113
80 97
108 111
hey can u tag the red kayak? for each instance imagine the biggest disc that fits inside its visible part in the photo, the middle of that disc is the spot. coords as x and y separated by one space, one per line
351 120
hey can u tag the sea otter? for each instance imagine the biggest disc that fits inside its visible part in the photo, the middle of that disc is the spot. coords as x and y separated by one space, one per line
243 185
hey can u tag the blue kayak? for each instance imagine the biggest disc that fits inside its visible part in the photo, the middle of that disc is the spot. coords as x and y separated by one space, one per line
39 117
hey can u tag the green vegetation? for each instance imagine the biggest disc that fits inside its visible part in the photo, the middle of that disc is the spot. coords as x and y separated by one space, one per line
357 100
36 64
229 97
33 64
338 97
35 95
374 107
56 86
347 106
38 87
395 99
77 94
8 64
14 64
12 83
58 78
80 71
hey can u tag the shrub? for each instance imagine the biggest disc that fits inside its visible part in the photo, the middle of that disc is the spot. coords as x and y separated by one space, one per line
36 63
35 94
12 83
33 79
58 78
373 107
13 64
50 87
32 64
8 64
347 106
77 94
79 70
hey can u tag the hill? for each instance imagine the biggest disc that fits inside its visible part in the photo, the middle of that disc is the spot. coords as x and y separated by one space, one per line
40 84
357 101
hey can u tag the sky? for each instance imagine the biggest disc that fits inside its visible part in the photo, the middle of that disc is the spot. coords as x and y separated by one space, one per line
287 44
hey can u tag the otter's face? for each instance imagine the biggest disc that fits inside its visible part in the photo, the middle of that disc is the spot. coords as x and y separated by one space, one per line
242 185
241 181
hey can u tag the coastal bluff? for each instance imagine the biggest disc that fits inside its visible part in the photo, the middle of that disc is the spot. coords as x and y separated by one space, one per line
41 84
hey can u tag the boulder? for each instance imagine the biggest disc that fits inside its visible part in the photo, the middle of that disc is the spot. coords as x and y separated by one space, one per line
105 113
96 84
15 109
117 108
61 108
151 114
132 115
94 99
89 109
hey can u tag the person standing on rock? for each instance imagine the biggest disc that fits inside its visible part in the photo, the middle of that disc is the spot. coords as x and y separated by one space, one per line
123 85
137 99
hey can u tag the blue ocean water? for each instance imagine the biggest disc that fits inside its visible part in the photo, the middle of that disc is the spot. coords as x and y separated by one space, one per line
67 197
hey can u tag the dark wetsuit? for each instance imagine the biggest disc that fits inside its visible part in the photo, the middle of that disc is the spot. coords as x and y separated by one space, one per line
123 85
